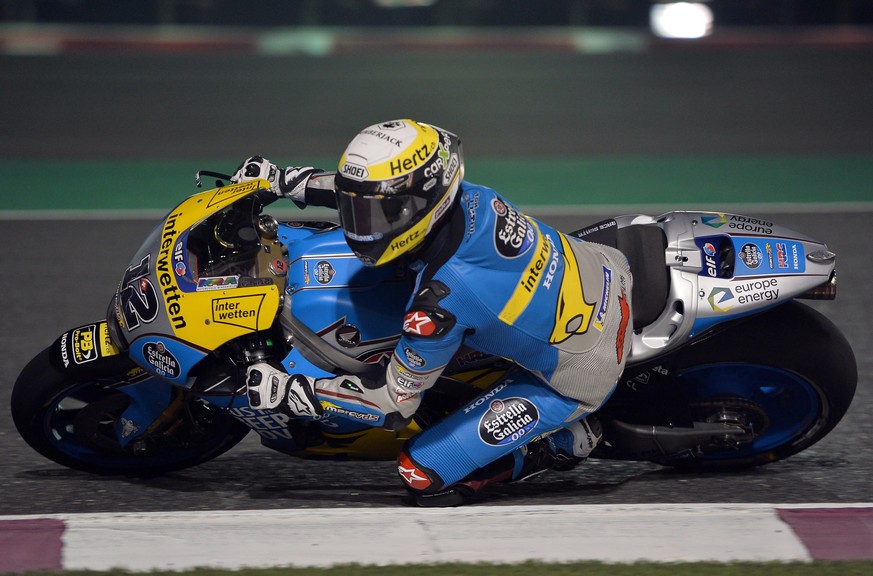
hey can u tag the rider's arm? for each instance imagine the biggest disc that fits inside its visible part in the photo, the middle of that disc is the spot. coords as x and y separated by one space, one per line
391 399
319 191
303 185
431 337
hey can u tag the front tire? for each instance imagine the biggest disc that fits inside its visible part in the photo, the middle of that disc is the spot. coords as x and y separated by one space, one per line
71 420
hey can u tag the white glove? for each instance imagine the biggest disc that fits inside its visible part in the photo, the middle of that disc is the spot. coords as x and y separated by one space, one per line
288 183
272 389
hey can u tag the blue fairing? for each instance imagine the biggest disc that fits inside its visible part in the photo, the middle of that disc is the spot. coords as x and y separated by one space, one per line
351 306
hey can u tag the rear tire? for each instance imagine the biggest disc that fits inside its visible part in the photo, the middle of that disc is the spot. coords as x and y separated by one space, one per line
790 373
764 387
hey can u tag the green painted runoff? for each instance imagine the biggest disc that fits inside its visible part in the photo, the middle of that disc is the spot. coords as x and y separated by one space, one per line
131 185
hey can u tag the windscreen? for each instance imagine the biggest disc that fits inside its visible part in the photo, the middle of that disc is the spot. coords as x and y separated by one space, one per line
222 248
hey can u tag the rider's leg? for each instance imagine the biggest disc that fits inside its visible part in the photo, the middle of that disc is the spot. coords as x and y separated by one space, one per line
573 444
491 440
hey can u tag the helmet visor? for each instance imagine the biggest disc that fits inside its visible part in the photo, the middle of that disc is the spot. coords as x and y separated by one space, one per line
372 217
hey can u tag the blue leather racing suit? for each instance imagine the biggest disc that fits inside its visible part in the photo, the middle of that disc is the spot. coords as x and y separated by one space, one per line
508 285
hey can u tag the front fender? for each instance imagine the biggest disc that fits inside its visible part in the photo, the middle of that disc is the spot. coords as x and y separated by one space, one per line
88 350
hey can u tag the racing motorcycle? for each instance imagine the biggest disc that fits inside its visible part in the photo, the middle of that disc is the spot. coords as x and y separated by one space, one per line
727 369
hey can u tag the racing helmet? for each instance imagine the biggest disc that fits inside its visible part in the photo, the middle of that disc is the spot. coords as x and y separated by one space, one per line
396 180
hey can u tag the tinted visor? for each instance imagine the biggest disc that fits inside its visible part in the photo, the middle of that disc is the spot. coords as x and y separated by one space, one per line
369 217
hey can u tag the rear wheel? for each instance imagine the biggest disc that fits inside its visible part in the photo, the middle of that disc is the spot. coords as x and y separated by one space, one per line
73 421
785 378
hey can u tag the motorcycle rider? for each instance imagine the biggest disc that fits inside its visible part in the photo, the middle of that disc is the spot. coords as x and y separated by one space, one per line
488 277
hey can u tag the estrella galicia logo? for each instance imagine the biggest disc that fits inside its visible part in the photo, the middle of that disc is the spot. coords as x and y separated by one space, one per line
472 207
513 233
162 361
413 358
751 255
324 272
507 421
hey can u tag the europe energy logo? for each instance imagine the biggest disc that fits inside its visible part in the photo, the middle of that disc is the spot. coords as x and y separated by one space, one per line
715 220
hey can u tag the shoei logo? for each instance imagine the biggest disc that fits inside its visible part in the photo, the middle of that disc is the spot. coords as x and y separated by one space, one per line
354 171
451 170
452 162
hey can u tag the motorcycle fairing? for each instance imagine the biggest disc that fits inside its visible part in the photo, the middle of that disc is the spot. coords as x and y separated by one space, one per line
720 269
339 316
750 256
148 400
161 294
768 256
88 350
166 357
82 347
718 256
355 310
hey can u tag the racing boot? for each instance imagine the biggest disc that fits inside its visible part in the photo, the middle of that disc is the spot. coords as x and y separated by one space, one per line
571 445
524 463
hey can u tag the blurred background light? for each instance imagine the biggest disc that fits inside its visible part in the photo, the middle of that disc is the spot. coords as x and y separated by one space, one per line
404 3
681 20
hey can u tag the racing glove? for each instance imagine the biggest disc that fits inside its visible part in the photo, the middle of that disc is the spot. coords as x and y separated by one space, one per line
272 389
288 183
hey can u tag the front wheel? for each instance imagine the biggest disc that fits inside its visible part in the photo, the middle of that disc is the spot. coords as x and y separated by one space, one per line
73 420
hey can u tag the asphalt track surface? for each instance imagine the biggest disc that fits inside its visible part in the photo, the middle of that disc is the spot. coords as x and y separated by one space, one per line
60 274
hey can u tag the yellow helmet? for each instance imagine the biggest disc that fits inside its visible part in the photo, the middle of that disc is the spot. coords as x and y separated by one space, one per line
395 182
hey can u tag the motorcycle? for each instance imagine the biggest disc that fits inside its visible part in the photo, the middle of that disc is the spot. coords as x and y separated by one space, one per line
727 368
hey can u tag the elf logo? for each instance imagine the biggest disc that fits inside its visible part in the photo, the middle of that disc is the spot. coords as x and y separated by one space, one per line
709 259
